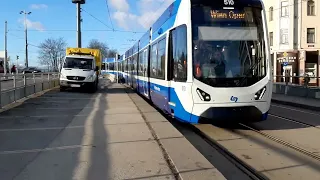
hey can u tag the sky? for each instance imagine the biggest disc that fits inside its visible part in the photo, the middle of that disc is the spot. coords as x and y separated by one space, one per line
119 23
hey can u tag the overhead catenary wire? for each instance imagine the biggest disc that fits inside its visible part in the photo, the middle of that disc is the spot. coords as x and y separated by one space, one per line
96 18
109 14
69 30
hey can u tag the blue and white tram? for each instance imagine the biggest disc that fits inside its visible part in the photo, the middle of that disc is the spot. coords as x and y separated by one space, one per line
204 60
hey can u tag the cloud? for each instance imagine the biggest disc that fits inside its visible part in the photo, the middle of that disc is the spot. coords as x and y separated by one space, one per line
38 6
148 12
36 25
124 20
120 5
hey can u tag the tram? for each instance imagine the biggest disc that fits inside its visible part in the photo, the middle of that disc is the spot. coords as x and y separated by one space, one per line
204 60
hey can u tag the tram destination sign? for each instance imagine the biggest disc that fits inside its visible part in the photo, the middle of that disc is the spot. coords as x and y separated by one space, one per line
227 14
231 15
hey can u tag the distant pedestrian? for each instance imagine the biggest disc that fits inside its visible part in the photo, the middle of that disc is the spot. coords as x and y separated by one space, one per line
13 69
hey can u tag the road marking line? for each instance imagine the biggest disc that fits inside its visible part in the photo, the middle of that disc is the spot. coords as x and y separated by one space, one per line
58 116
44 149
42 129
50 97
58 108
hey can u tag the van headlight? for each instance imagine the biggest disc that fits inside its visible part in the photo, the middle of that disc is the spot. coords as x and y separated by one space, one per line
62 76
89 78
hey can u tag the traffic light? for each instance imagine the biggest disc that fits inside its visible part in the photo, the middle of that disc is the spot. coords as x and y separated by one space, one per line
17 57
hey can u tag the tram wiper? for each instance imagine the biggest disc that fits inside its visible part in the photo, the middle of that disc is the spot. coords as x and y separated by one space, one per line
253 67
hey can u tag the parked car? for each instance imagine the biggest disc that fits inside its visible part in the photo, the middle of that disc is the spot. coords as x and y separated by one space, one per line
31 70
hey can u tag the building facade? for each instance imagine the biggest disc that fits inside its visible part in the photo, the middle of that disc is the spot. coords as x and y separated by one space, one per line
294 33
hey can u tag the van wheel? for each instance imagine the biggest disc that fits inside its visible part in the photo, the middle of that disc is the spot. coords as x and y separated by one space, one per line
93 87
62 89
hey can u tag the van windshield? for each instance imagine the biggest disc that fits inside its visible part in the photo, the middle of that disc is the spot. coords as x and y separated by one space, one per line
78 63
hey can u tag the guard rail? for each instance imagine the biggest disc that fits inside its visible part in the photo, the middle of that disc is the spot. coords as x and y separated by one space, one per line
18 86
301 86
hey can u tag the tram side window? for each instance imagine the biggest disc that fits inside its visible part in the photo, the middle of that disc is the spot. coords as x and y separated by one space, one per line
126 66
179 53
136 65
132 65
153 60
140 63
161 58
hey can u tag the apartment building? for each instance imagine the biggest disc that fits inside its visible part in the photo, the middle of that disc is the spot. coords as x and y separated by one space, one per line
294 33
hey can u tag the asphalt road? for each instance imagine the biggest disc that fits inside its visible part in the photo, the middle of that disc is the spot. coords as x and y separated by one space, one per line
27 130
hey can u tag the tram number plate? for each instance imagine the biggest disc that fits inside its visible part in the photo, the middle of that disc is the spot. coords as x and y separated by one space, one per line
75 85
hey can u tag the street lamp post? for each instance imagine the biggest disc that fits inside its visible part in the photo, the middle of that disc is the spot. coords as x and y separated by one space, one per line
26 33
78 3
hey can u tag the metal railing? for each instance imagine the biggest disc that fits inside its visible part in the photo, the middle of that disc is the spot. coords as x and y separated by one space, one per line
18 86
301 86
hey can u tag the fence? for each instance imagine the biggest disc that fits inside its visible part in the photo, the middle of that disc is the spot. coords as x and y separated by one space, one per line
15 87
301 86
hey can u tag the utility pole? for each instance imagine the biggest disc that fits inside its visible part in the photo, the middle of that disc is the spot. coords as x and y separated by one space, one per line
78 3
26 34
78 25
5 48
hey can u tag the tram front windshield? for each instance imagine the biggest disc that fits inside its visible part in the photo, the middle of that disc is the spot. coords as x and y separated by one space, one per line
228 46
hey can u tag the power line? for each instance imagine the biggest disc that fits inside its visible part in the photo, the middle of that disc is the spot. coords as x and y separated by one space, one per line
68 30
96 18
109 14
34 45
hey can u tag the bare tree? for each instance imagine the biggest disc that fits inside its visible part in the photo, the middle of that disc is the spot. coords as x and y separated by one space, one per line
103 47
112 53
52 52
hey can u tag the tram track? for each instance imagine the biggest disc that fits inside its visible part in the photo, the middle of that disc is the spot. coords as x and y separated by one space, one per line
243 166
283 142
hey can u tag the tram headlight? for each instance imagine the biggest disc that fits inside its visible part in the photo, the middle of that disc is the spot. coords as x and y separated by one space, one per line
259 95
203 95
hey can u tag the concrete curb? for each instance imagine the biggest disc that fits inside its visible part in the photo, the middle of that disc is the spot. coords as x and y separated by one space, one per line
294 104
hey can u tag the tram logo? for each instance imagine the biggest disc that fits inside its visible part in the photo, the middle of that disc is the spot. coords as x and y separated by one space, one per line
234 99
228 2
